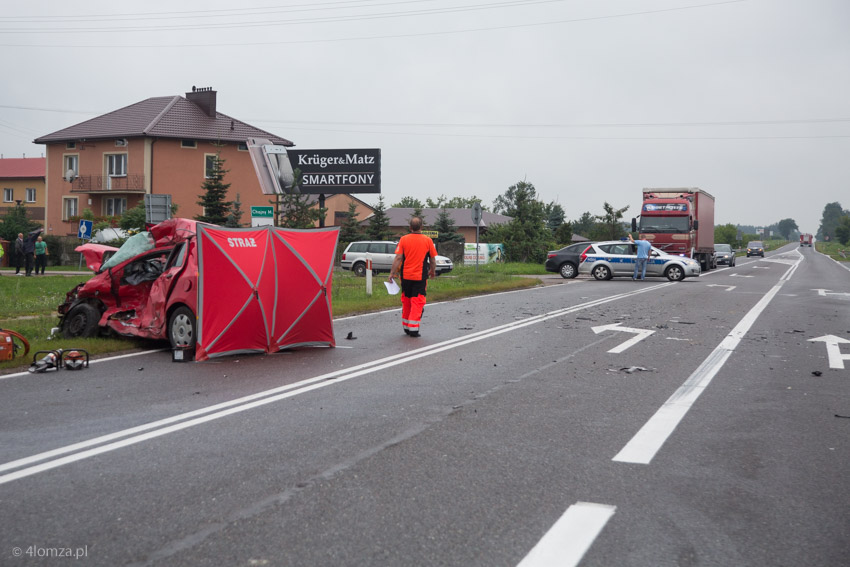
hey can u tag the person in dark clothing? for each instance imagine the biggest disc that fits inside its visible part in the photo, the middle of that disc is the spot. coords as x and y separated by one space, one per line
18 253
29 249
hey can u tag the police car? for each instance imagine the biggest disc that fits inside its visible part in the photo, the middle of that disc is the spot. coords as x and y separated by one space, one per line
604 260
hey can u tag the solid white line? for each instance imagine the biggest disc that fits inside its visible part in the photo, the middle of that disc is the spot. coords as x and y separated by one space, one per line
182 421
648 441
570 537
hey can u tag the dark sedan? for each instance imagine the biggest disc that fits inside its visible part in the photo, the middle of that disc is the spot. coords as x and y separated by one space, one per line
755 248
725 254
566 260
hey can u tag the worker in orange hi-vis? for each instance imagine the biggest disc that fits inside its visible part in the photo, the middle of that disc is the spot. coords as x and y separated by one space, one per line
415 260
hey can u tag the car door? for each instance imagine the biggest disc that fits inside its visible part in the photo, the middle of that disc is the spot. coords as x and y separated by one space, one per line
655 264
623 258
383 254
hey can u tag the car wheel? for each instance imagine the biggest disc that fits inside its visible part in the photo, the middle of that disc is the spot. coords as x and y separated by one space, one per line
181 328
732 265
568 270
601 272
81 322
675 273
359 269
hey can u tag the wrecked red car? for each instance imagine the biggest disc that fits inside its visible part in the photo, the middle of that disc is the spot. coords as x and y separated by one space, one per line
213 290
147 288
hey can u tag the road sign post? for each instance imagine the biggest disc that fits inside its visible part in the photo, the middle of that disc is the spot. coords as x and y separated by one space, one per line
476 218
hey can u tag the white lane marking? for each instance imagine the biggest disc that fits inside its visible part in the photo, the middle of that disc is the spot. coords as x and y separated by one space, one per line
833 350
648 441
728 287
175 423
570 537
640 334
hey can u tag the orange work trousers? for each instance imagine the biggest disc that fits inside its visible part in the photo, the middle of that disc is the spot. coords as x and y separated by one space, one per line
412 303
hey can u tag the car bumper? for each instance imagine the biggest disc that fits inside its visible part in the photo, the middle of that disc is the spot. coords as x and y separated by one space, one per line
726 260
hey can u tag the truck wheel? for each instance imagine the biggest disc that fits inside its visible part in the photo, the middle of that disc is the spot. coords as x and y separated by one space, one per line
675 273
81 322
568 270
601 273
181 328
359 269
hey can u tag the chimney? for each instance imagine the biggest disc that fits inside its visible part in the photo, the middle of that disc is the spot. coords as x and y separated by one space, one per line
204 98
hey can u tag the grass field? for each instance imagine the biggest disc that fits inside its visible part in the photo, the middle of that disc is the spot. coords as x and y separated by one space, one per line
28 305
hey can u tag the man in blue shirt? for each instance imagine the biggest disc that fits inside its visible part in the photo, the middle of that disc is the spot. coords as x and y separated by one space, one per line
643 248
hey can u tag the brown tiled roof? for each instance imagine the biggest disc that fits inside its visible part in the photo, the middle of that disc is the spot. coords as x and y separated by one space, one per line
22 168
162 117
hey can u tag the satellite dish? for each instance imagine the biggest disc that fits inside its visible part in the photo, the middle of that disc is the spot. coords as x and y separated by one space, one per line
70 175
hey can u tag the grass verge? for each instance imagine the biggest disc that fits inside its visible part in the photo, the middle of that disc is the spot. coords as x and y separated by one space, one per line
28 305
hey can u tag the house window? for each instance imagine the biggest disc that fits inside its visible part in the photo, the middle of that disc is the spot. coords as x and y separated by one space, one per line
30 195
116 165
8 195
71 145
209 165
188 144
72 163
242 147
69 208
115 207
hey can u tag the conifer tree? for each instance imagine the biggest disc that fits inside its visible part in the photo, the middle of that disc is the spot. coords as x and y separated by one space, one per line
215 207
379 222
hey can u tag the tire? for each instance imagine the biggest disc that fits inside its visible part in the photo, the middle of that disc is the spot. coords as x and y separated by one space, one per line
568 270
601 272
181 328
81 322
359 269
675 273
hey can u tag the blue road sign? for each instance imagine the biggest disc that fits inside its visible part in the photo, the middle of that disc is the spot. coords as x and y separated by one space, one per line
85 229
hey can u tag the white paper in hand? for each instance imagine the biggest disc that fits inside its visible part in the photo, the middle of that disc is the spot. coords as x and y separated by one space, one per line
392 287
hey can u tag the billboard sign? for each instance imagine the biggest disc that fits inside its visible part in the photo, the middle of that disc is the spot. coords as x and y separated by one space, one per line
487 253
323 172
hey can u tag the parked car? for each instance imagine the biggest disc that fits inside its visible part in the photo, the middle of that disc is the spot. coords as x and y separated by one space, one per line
566 260
382 253
755 248
148 288
605 260
724 254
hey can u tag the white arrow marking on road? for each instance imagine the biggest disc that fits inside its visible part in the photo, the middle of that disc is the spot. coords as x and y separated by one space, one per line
739 276
825 292
641 334
761 267
728 287
836 359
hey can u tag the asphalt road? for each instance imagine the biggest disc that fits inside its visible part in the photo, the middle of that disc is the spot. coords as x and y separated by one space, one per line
588 423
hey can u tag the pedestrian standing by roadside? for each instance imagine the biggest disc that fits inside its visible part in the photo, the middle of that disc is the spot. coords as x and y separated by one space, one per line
29 249
18 254
643 248
40 255
2 252
415 261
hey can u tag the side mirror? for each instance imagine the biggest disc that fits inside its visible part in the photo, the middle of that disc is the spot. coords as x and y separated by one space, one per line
696 225
634 225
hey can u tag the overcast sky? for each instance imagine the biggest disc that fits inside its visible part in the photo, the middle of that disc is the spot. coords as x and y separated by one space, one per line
589 100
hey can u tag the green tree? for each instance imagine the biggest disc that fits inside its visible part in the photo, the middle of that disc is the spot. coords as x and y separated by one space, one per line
726 234
832 214
213 200
842 230
612 220
296 210
564 234
554 215
351 230
445 227
443 202
16 221
379 222
408 203
584 225
234 219
525 237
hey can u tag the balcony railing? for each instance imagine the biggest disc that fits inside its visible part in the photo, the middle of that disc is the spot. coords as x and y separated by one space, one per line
134 183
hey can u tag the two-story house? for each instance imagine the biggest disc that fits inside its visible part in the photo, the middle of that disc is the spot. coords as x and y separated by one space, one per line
162 145
22 181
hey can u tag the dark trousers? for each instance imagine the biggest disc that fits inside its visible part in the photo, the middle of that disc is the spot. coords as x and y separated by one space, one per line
40 262
19 261
29 256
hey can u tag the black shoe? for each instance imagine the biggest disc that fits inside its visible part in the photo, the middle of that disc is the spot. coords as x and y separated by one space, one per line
414 334
407 331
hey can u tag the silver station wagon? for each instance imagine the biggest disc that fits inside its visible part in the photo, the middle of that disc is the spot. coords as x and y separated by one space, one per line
605 260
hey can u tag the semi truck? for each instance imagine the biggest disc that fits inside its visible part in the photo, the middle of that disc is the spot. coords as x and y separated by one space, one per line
806 239
680 222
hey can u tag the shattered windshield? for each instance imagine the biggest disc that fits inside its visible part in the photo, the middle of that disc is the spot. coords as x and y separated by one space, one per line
135 245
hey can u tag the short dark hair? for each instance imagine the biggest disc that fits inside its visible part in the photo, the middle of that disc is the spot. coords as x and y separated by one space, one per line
415 223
